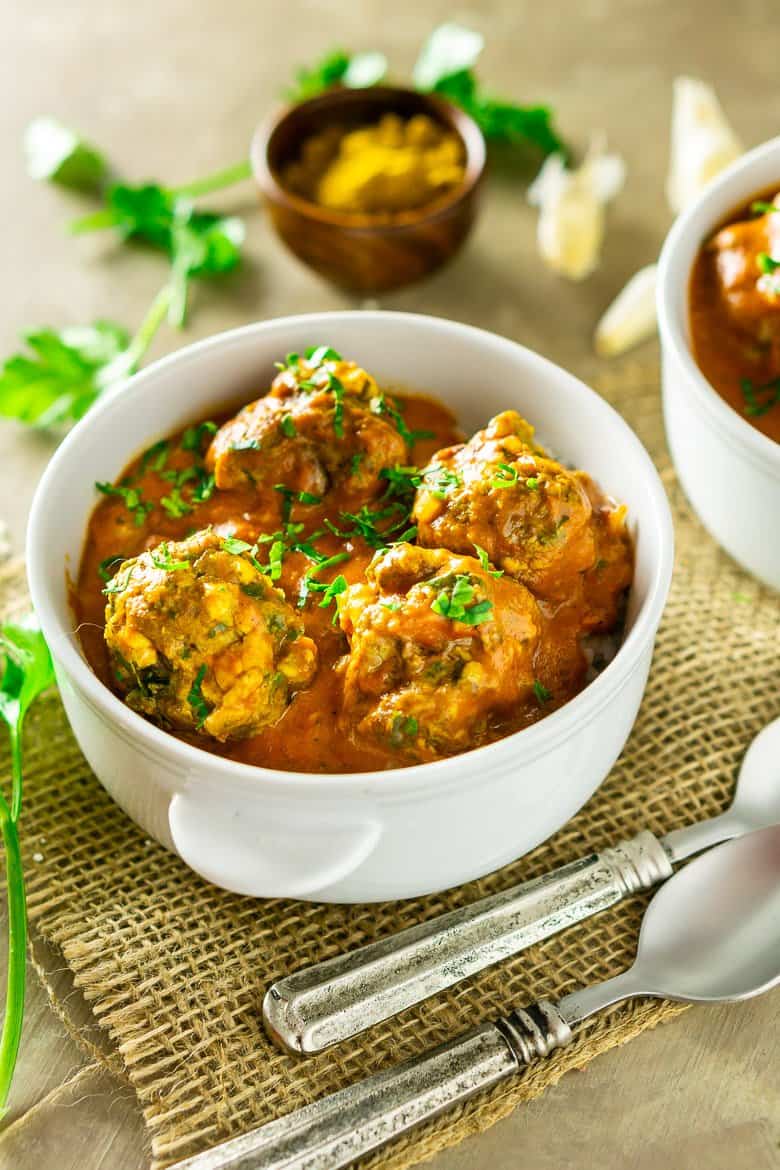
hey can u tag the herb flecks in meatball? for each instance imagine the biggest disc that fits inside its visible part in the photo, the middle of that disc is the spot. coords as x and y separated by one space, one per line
500 491
439 644
324 423
200 639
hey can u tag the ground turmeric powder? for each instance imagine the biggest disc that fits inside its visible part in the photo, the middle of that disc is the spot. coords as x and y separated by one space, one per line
392 166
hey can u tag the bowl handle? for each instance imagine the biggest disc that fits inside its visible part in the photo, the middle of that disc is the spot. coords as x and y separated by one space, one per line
263 856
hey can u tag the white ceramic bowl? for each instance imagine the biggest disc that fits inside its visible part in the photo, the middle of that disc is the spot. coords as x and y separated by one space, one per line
729 470
376 835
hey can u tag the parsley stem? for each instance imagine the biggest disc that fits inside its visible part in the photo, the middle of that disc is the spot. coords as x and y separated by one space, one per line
15 735
95 221
17 947
215 182
151 323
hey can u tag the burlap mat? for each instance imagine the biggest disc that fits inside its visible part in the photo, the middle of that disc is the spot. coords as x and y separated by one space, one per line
176 970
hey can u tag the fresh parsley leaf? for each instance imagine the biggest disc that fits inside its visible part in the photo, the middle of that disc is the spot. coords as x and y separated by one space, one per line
457 603
155 457
195 698
232 544
289 497
382 405
175 504
337 586
57 154
27 673
358 71
287 426
194 438
760 399
66 370
484 561
161 559
309 583
506 476
445 66
542 694
199 243
132 499
108 566
317 354
767 263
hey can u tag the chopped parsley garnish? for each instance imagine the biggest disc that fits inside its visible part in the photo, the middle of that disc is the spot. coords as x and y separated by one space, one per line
287 426
196 700
457 602
365 524
309 582
105 570
541 692
205 487
381 405
317 354
132 499
175 504
290 362
161 559
156 456
439 480
402 482
532 483
289 497
506 476
253 589
484 561
403 727
761 207
337 586
767 263
760 399
231 544
393 606
194 437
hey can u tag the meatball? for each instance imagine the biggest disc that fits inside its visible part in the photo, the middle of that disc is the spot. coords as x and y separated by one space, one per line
748 286
501 492
323 423
201 641
439 645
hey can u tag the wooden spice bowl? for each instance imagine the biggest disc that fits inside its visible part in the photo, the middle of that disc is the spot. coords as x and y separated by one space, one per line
364 252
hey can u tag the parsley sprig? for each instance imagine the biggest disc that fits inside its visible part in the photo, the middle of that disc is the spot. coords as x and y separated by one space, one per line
65 371
337 67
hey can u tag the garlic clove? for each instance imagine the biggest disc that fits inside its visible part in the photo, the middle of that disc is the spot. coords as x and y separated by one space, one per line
570 231
702 141
631 317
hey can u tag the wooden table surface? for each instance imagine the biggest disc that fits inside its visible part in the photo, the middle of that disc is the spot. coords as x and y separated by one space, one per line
172 89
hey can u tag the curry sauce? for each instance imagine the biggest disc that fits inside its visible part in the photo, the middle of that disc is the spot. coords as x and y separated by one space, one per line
413 659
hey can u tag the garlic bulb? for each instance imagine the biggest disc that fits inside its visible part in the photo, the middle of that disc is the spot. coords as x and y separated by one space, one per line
630 318
702 142
571 205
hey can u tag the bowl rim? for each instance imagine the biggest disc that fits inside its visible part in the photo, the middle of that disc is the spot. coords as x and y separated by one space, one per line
363 223
698 221
390 783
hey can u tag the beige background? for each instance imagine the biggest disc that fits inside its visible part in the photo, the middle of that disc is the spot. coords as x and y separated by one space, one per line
172 89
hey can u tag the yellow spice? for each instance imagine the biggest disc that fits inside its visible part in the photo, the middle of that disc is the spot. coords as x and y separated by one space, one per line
392 166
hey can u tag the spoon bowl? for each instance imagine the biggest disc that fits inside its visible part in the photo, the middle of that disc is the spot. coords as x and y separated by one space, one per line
713 931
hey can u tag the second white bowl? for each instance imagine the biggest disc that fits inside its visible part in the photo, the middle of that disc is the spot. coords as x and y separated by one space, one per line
729 470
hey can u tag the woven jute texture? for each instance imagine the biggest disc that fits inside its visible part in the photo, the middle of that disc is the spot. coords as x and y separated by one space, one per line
176 970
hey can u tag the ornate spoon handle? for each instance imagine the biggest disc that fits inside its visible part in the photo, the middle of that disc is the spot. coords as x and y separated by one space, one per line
336 1130
332 1001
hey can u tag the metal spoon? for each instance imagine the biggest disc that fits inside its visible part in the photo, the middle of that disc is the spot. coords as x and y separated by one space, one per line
341 997
712 933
